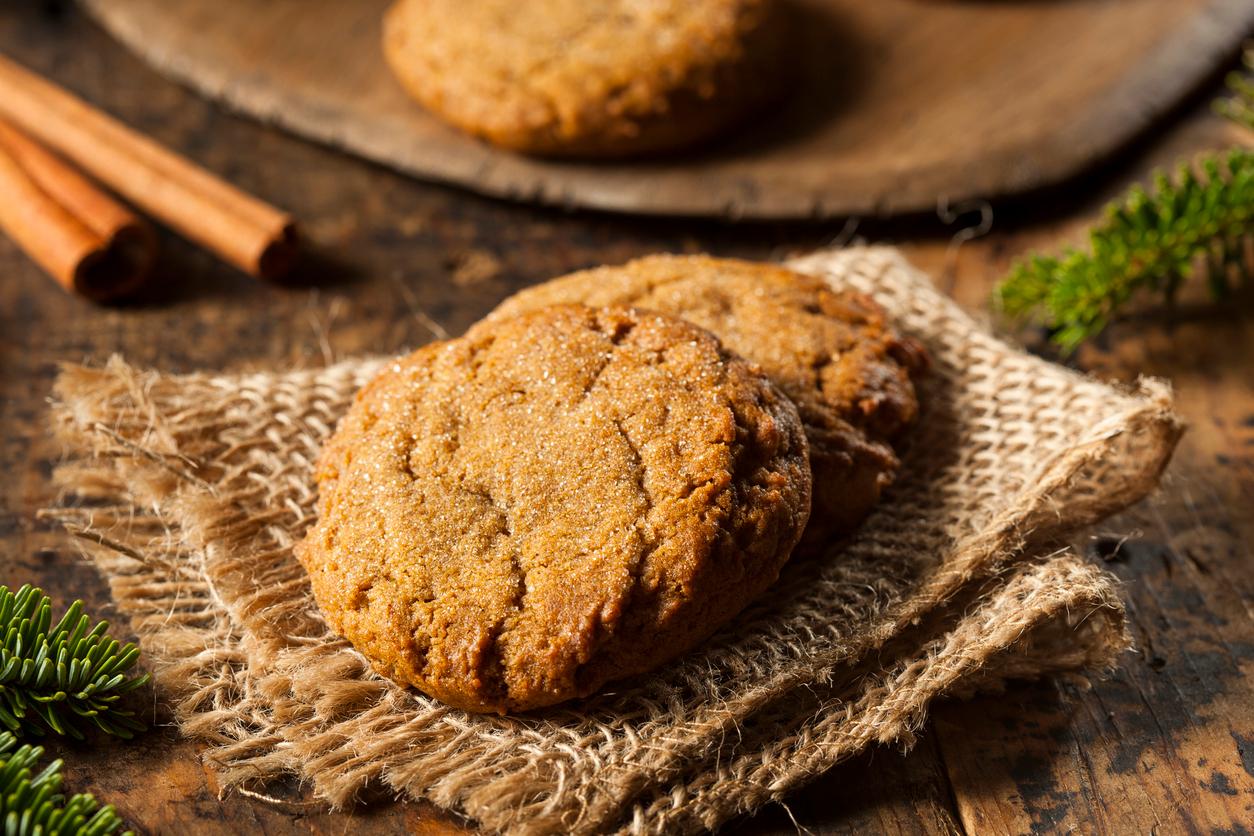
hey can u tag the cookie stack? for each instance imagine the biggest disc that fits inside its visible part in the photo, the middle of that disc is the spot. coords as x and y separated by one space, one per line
600 473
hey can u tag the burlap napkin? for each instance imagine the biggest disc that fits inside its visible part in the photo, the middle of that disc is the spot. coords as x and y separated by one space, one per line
199 485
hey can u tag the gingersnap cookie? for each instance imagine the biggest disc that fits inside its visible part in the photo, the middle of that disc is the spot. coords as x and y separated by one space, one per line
514 518
579 79
832 353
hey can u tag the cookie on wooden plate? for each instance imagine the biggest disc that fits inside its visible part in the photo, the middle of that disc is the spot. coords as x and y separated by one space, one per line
588 79
514 518
832 353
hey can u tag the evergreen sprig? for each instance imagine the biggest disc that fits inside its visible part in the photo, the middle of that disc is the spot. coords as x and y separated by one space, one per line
1152 239
32 804
1239 107
61 676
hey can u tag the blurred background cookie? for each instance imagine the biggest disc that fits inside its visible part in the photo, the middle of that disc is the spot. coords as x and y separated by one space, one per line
582 79
832 353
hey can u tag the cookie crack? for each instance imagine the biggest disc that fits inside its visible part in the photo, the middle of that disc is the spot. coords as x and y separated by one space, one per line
637 471
496 665
644 522
818 364
596 376
494 668
649 544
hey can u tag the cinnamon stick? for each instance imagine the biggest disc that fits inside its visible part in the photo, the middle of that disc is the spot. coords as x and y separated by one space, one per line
241 229
84 239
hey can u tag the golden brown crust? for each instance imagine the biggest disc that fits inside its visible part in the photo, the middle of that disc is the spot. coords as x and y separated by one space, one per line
832 353
514 518
580 79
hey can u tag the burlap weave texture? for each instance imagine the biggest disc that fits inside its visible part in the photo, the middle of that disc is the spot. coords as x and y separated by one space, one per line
200 485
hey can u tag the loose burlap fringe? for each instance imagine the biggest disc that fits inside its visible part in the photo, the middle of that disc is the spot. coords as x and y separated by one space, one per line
201 484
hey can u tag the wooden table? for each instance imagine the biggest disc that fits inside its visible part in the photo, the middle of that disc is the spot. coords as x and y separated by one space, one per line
1165 744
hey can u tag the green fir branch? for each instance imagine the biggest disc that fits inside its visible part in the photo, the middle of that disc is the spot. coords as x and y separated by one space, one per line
64 676
1239 107
1151 240
32 804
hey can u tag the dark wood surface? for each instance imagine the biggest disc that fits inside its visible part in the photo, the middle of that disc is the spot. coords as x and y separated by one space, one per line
1166 744
896 105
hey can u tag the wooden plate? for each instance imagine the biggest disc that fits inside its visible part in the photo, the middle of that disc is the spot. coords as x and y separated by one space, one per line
903 103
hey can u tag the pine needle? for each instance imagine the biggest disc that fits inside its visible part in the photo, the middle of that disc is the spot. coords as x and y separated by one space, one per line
1152 240
1197 222
1239 107
62 676
32 804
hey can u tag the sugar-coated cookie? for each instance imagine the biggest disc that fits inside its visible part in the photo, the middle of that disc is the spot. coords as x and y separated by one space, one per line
554 501
832 353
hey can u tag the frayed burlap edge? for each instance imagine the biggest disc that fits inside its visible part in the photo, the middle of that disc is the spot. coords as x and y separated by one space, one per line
201 486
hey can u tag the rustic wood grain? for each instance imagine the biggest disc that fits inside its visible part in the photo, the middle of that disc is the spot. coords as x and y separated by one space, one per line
1167 741
898 104
1163 745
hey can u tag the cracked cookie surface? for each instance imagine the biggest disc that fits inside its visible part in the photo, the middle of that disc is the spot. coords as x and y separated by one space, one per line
514 518
833 354
574 78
